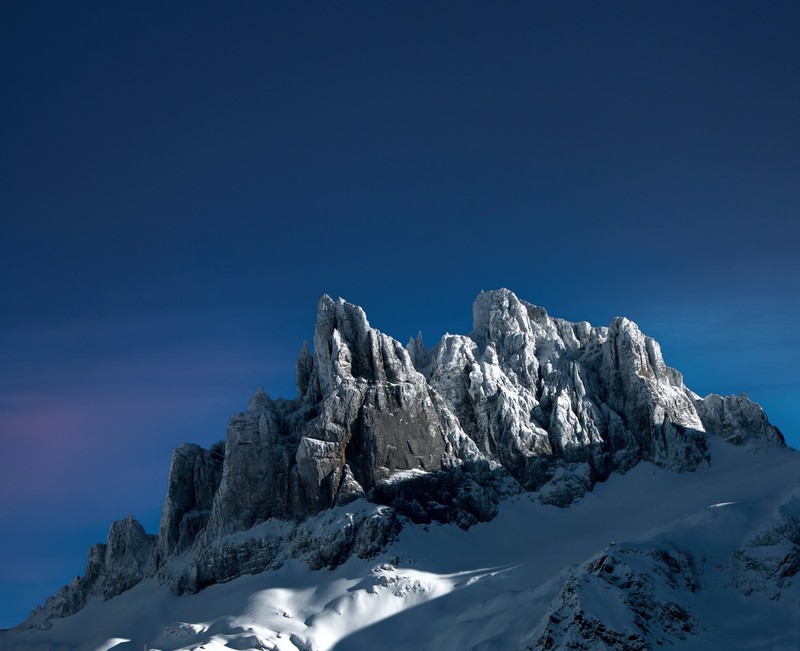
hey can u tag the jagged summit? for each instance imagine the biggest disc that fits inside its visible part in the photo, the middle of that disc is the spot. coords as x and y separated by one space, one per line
524 402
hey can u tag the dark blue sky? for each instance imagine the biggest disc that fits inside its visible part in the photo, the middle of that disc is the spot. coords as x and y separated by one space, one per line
179 185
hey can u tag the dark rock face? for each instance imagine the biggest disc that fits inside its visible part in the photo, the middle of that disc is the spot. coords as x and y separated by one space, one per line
323 541
194 477
111 569
523 402
373 405
738 420
126 558
257 480
458 495
364 413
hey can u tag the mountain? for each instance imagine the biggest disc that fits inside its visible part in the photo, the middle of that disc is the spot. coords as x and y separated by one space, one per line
535 484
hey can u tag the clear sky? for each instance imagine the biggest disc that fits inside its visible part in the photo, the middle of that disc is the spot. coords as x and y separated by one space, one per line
179 184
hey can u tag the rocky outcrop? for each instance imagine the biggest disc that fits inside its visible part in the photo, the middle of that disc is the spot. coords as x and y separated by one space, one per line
560 402
111 569
364 414
194 477
257 480
523 402
374 406
321 541
626 598
768 560
738 420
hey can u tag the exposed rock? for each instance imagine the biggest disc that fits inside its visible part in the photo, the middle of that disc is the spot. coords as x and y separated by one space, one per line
768 560
373 404
651 399
523 402
323 540
111 569
543 396
459 495
194 477
365 414
304 366
737 419
257 477
627 598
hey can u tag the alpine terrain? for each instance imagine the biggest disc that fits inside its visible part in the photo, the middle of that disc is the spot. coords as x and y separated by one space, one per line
534 484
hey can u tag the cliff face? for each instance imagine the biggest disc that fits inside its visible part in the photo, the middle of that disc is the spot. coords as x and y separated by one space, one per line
523 402
194 478
111 569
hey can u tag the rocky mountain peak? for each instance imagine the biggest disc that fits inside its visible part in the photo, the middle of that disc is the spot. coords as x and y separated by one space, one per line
346 348
499 313
525 402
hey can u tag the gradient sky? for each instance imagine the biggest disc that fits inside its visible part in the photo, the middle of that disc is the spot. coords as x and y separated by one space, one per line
180 184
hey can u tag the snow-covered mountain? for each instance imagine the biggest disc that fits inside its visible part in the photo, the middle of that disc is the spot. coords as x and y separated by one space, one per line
536 484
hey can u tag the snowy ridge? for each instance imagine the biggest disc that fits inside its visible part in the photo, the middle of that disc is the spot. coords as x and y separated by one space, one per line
381 435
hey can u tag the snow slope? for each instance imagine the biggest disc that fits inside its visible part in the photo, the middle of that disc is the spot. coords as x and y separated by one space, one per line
698 560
